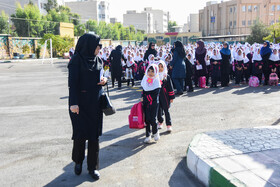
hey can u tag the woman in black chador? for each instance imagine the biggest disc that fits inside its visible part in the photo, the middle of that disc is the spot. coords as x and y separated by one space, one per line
116 58
85 89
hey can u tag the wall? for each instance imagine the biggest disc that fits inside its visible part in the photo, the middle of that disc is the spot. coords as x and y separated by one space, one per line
10 45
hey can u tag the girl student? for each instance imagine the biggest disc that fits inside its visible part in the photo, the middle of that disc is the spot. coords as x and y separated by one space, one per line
150 97
273 62
130 65
166 97
239 66
215 61
257 64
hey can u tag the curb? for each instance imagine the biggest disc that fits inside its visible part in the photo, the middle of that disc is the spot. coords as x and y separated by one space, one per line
206 171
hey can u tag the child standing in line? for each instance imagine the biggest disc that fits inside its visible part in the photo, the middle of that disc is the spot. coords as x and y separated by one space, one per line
150 97
166 97
130 64
216 59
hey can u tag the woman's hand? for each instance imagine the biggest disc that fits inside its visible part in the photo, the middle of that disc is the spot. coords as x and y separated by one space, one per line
171 100
74 109
141 99
215 62
103 81
197 62
170 67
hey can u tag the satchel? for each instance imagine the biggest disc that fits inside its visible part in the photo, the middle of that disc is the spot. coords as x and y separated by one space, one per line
106 104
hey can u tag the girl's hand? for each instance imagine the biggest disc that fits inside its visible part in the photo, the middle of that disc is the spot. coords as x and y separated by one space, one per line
74 109
197 62
141 99
260 67
215 62
171 100
103 81
170 67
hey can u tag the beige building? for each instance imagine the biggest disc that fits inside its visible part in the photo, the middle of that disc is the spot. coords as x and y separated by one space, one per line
235 17
141 21
160 19
91 9
193 23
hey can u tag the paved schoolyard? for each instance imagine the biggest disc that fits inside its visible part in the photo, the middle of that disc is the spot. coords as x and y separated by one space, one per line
35 135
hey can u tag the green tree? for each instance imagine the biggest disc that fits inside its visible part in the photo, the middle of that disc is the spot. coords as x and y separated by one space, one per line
274 33
170 25
79 30
60 44
28 21
92 26
258 32
4 25
51 4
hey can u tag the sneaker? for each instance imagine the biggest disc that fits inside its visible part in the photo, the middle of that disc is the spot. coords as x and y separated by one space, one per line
156 137
160 125
169 128
95 174
148 140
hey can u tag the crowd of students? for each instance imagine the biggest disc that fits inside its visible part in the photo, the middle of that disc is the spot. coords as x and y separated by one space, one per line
186 67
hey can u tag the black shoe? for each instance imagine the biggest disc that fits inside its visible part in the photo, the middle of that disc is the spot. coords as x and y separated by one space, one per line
78 169
190 90
95 174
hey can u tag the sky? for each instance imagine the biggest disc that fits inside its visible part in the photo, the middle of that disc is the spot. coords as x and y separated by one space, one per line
179 9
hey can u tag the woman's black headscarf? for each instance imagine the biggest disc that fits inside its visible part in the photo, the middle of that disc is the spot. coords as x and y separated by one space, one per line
180 49
201 49
86 45
119 48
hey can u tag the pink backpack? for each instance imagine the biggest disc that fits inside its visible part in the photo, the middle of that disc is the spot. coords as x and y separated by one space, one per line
273 79
254 81
202 82
136 117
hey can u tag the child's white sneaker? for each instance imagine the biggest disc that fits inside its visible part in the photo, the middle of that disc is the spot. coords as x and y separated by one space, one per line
160 125
169 128
148 140
156 136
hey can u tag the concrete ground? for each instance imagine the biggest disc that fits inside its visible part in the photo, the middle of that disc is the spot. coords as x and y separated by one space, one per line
35 135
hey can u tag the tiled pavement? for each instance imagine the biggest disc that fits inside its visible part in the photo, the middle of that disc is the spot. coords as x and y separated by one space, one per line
244 157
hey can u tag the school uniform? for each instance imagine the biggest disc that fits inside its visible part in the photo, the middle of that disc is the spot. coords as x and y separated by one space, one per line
215 72
166 94
239 67
257 69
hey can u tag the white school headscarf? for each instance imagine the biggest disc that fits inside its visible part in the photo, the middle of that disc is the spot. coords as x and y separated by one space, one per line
162 75
151 83
246 60
130 62
239 57
217 56
274 57
257 56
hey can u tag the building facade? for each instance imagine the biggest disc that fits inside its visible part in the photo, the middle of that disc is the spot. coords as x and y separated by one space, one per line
141 21
91 9
193 23
9 6
236 17
160 19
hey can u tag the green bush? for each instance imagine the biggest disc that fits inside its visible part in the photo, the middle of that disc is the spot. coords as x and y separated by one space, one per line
25 49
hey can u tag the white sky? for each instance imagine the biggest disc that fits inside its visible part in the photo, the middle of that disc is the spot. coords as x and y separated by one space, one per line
179 9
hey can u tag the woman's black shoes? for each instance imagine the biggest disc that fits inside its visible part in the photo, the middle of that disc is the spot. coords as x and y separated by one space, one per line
78 169
95 174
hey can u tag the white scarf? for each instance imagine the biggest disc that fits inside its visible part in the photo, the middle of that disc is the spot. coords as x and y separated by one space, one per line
151 83
239 57
163 75
217 56
274 57
257 56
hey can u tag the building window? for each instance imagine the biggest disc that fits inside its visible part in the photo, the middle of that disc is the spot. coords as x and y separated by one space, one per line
230 10
255 22
159 38
278 7
273 8
271 22
243 23
234 23
103 16
243 8
234 9
249 22
255 8
230 24
100 16
250 8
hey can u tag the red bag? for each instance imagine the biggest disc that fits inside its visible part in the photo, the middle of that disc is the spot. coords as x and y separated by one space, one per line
136 117
202 82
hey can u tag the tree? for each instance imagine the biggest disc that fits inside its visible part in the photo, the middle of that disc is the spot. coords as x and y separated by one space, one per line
258 33
92 26
51 4
4 25
274 33
60 44
28 21
170 25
